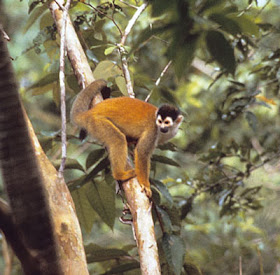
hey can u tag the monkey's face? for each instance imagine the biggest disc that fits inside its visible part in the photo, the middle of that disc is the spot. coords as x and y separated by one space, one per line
168 125
165 124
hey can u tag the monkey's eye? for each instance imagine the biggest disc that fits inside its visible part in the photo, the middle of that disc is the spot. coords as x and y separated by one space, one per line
159 121
166 122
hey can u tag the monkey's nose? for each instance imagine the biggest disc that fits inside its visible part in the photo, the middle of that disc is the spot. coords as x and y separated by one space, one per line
164 130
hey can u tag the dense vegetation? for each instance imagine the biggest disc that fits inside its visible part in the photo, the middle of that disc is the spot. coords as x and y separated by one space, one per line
217 186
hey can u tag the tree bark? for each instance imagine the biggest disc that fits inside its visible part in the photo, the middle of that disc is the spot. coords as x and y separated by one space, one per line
30 216
66 224
42 210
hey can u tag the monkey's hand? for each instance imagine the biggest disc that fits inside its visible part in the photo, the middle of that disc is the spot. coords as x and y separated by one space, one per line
124 175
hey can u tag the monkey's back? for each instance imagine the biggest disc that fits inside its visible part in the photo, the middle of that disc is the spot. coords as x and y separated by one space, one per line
132 116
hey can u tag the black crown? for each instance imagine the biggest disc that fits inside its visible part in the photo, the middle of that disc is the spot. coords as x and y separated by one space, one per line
167 110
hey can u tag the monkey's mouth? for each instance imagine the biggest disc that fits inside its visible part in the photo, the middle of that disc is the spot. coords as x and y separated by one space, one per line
164 130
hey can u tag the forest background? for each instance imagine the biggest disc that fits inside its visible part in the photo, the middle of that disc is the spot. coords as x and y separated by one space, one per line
217 186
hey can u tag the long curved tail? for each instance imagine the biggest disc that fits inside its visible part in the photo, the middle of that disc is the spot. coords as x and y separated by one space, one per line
84 99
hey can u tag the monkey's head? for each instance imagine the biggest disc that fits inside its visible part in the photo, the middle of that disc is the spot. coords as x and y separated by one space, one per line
168 120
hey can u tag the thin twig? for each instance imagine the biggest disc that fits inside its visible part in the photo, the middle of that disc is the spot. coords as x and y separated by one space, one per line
122 50
62 88
163 72
126 73
104 14
159 79
132 22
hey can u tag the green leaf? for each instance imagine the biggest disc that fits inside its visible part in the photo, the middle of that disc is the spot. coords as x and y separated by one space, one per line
96 253
245 23
166 198
35 14
83 208
210 4
120 81
106 69
226 24
94 156
99 167
42 90
102 199
109 50
174 215
221 50
168 146
72 82
166 222
46 80
77 183
252 120
46 20
87 178
174 250
165 160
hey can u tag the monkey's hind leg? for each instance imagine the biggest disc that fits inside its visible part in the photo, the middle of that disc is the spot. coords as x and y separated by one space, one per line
143 152
115 142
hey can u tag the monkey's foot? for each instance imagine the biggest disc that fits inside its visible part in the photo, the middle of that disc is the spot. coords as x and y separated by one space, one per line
147 190
125 175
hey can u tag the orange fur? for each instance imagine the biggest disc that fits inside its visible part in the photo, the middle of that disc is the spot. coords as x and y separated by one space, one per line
110 122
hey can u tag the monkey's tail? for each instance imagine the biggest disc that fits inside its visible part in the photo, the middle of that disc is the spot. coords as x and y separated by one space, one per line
84 99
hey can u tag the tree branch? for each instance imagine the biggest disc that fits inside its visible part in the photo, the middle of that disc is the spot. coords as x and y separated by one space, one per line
139 204
141 211
62 89
159 79
23 181
132 22
122 50
74 49
125 70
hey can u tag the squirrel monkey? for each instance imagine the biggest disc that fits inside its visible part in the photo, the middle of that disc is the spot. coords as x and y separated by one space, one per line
115 120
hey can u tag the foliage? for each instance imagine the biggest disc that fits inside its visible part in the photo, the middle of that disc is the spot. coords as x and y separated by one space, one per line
215 191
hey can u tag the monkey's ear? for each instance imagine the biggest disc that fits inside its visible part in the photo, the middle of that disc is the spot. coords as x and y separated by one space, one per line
179 119
106 92
83 134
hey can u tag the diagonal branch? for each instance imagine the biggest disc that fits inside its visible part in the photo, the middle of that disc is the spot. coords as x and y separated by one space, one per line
132 22
159 79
